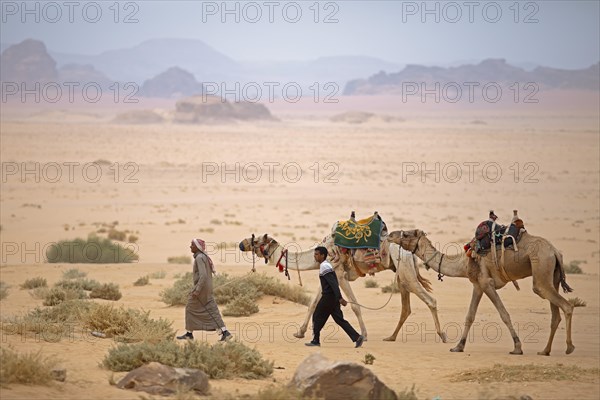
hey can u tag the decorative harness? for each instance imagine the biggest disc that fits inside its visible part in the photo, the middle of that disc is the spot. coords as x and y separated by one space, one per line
440 275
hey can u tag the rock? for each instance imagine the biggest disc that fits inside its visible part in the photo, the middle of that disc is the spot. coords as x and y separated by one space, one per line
173 83
211 109
28 62
59 374
156 378
318 376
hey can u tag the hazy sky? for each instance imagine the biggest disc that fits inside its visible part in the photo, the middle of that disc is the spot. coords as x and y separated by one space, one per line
554 33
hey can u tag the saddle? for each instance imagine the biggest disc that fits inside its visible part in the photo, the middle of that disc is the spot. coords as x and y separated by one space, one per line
501 235
362 241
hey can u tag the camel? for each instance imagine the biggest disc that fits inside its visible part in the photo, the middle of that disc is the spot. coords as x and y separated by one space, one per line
406 275
535 257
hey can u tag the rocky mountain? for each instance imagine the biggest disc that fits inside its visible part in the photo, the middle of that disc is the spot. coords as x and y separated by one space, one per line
490 70
172 83
27 61
150 58
83 74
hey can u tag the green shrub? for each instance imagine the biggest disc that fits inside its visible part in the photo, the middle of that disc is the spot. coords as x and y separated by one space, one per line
57 295
114 234
158 275
241 306
26 368
74 273
573 267
3 290
179 293
369 359
220 361
179 260
93 250
371 283
142 281
391 288
34 283
78 284
106 291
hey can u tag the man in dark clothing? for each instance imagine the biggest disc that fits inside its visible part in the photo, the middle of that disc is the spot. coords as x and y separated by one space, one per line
330 302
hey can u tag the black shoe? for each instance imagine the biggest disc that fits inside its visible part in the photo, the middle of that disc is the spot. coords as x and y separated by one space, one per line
312 344
225 336
188 335
359 341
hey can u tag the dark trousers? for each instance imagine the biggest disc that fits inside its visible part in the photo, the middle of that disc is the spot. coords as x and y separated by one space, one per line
328 305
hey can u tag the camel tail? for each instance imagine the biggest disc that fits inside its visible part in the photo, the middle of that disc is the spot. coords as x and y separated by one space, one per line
563 278
424 281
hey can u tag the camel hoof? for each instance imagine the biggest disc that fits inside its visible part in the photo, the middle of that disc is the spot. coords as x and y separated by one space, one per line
543 353
444 337
570 349
299 335
389 339
517 352
456 350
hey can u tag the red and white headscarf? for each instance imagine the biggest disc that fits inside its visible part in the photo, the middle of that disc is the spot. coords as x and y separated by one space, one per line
201 245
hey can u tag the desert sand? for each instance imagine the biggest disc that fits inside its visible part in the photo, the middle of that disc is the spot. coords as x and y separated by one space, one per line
293 179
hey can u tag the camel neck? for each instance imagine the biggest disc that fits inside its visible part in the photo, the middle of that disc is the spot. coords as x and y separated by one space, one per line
453 266
297 261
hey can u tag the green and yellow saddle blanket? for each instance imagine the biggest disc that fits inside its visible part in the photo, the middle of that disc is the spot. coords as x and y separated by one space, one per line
363 234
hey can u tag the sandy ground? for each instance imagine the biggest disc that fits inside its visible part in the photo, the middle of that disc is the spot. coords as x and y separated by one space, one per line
293 179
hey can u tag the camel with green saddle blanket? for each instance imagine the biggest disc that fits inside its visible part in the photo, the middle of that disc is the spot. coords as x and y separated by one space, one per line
535 257
348 269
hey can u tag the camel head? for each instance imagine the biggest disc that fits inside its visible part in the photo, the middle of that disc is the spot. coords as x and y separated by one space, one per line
262 246
408 240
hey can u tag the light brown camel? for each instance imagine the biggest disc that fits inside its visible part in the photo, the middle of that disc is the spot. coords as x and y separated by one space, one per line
407 276
535 257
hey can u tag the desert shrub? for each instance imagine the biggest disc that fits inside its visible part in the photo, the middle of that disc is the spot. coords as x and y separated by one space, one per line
34 283
93 250
132 239
3 290
51 322
241 306
114 234
371 283
74 273
25 368
179 260
158 275
577 302
219 361
106 291
573 267
39 293
127 325
369 359
391 288
57 295
179 293
142 281
78 284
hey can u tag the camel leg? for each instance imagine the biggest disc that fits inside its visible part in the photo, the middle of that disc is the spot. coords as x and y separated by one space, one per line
432 304
551 293
311 310
490 291
405 298
345 286
475 299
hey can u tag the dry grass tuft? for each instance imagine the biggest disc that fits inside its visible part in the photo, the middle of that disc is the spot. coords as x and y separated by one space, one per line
107 291
34 283
26 368
179 260
74 273
142 281
219 361
3 290
526 373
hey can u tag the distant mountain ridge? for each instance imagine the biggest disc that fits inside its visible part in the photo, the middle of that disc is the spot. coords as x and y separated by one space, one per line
490 70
